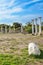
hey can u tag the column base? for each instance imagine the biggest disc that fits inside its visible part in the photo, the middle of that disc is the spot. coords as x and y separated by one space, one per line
32 34
35 33
39 34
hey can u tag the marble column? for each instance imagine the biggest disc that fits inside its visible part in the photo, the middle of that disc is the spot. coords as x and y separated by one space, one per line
5 29
39 25
1 29
14 28
36 26
32 26
9 29
21 28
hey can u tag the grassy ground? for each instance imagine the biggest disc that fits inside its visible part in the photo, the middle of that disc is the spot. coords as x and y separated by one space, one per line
14 49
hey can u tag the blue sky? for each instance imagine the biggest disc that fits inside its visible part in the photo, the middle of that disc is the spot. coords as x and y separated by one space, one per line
20 11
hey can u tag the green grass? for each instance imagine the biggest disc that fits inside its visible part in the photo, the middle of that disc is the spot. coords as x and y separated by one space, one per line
22 59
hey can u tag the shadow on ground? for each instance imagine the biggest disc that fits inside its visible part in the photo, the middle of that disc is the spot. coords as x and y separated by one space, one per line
41 55
38 56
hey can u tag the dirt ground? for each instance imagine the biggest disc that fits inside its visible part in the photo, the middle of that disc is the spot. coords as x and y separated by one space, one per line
11 42
17 46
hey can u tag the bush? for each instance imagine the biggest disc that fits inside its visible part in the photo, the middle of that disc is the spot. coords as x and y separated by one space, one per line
28 29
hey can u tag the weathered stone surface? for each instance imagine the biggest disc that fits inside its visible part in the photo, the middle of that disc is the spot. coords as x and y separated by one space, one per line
33 49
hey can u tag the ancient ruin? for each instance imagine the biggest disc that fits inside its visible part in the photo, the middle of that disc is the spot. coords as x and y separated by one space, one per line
7 28
35 26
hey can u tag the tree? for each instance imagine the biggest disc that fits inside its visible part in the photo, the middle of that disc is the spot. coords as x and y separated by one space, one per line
16 24
28 27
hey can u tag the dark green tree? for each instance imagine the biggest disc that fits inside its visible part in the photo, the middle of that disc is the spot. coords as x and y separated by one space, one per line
16 25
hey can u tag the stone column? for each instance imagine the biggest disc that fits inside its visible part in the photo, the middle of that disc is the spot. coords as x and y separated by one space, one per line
39 25
5 29
21 28
36 26
9 29
14 28
32 26
1 29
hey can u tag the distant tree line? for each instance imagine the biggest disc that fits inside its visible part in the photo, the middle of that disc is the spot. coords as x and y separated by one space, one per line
27 27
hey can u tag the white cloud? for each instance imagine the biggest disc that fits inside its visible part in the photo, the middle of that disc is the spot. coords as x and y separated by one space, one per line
28 3
9 11
12 3
6 11
36 7
4 4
